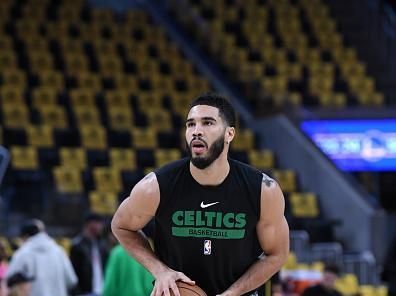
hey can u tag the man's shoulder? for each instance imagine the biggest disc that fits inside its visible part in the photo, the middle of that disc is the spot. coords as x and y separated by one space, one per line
172 167
78 241
244 167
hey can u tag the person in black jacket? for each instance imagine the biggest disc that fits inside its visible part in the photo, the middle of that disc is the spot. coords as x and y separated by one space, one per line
88 255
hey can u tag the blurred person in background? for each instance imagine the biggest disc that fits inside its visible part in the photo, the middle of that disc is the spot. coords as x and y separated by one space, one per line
125 276
3 260
326 286
20 284
3 287
88 254
3 269
41 258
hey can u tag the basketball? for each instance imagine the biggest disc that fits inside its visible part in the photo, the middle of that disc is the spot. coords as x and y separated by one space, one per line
189 290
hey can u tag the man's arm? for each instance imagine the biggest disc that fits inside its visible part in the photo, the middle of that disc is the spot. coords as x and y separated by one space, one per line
131 216
273 236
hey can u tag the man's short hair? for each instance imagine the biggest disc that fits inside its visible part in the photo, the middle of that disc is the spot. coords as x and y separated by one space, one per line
93 217
31 227
333 268
226 110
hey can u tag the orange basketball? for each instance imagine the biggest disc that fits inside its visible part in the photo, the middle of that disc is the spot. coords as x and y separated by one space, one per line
189 290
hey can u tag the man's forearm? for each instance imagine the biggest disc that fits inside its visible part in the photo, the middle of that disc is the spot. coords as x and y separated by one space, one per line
137 245
257 274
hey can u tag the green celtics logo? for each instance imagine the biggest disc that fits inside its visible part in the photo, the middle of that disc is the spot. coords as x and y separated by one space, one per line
209 224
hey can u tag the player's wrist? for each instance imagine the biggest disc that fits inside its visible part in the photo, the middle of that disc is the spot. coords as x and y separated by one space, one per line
158 270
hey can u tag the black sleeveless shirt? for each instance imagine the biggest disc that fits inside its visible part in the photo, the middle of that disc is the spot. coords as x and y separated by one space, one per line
208 232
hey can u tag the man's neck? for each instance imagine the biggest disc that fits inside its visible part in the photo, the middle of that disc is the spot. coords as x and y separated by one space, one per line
213 174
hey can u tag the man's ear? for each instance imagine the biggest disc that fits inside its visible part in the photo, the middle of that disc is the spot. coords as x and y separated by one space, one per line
230 134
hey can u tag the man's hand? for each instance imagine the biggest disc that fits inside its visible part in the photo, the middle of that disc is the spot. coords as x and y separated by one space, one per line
166 281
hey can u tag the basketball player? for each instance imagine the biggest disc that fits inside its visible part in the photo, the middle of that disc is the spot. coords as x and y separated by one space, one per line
219 223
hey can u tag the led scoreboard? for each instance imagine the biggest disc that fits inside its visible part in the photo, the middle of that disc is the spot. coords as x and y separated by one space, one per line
356 145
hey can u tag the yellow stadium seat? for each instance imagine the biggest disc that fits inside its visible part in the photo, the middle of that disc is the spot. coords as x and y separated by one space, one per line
73 157
104 203
125 82
164 84
15 116
36 44
52 79
150 100
53 115
40 136
164 156
159 119
44 96
93 137
70 14
182 68
75 63
263 159
274 56
90 31
118 98
14 77
32 11
286 179
367 290
353 69
381 291
144 138
291 262
86 80
180 103
244 140
70 45
145 66
120 118
123 159
332 100
108 65
5 43
11 95
26 28
107 179
105 47
86 115
24 158
68 180
374 99
8 60
82 97
40 61
304 205
318 266
276 86
320 84
250 71
347 284
294 98
291 71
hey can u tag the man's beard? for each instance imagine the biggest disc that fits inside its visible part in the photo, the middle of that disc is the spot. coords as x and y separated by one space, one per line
202 162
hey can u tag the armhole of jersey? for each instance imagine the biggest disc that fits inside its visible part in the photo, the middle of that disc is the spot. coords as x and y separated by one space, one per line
161 189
